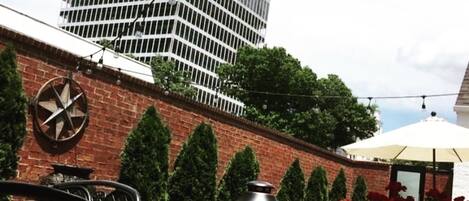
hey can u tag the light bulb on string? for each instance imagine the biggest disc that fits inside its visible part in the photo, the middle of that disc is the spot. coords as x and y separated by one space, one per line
89 71
118 81
77 68
100 64
139 29
215 100
117 49
369 103
423 102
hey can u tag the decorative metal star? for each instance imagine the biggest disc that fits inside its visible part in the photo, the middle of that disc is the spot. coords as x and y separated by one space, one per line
63 109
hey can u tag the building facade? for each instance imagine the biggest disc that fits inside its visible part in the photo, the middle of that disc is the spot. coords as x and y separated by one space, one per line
461 170
198 35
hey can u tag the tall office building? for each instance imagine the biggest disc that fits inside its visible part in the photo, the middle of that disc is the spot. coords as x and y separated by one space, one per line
198 35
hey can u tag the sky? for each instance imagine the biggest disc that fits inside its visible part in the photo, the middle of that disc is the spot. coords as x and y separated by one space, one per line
377 47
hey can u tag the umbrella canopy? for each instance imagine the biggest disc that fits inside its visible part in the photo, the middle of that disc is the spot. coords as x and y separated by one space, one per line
418 142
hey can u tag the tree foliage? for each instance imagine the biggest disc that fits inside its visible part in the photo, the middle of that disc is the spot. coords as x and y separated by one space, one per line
293 184
316 190
145 157
242 168
360 191
326 122
194 175
339 189
13 104
167 77
106 43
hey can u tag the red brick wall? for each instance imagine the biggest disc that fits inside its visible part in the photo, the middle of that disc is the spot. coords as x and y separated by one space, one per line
114 110
441 180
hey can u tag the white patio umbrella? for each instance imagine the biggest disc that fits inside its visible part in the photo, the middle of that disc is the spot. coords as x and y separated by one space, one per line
433 139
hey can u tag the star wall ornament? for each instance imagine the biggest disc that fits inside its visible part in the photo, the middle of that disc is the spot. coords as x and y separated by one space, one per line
60 109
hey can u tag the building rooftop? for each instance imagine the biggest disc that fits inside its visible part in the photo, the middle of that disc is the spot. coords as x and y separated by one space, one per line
61 39
463 97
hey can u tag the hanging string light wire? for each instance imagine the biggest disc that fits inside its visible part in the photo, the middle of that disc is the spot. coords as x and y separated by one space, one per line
141 14
143 11
369 98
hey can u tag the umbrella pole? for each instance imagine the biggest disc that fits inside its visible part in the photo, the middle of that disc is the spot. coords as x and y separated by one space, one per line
434 169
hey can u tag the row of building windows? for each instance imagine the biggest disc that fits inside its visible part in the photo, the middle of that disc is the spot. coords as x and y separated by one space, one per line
76 3
157 45
154 27
148 45
195 56
241 12
210 27
204 42
217 14
198 76
261 7
206 80
215 10
163 9
117 12
220 103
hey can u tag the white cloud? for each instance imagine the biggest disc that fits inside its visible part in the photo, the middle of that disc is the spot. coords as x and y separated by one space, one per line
379 48
44 10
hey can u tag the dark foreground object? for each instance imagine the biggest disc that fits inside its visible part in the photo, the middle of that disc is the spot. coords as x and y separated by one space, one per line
72 191
258 191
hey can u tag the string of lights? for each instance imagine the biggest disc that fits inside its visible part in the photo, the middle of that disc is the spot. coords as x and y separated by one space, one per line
423 97
138 33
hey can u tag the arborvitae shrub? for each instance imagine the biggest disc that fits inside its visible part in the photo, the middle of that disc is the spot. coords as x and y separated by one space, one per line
360 190
293 184
242 168
13 104
339 188
145 158
316 190
194 175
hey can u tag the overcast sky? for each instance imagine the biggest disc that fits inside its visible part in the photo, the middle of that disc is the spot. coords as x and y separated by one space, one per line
379 48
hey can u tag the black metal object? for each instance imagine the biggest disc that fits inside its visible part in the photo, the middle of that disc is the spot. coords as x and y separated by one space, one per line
258 191
90 191
80 172
434 166
85 190
36 191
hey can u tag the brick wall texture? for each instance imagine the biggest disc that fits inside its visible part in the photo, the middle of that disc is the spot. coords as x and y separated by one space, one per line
115 109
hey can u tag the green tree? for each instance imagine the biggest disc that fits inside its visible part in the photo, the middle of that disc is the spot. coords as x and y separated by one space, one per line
106 43
242 168
316 190
311 117
13 103
353 120
339 188
167 77
360 190
293 184
145 157
194 175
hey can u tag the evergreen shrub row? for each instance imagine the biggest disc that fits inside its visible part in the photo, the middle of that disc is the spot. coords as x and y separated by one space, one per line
193 178
13 103
292 186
